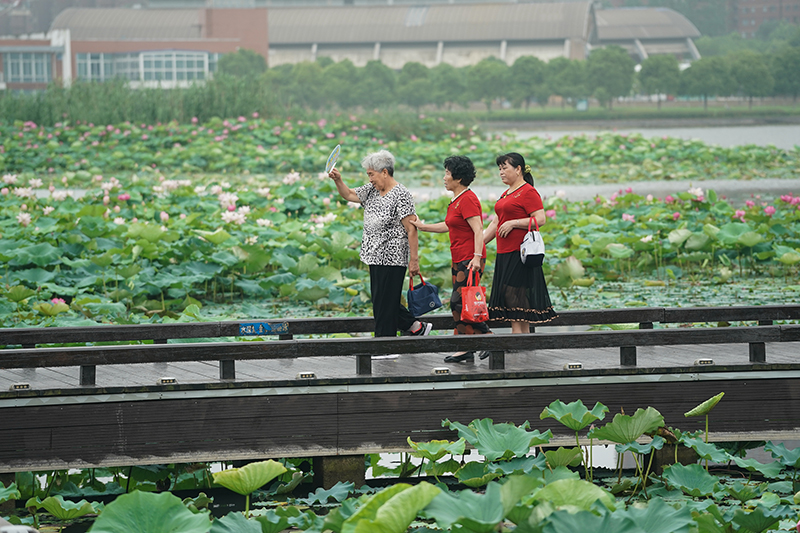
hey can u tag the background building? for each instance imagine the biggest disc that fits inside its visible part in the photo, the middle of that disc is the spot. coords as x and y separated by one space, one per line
749 15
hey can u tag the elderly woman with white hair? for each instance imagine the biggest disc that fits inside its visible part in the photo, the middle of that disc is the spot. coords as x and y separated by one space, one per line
389 243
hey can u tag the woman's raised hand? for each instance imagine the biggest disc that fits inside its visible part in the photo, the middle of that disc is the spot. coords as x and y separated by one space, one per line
334 174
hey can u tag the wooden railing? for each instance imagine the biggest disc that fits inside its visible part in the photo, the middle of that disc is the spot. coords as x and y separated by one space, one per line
287 346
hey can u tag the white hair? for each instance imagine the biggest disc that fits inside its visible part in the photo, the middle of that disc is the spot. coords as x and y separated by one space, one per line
379 161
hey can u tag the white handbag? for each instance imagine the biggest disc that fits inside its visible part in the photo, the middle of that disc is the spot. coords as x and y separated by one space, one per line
531 251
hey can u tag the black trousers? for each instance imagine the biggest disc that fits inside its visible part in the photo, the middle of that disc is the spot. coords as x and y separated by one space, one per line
386 284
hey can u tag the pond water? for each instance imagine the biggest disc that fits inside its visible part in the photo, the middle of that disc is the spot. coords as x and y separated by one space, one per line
786 136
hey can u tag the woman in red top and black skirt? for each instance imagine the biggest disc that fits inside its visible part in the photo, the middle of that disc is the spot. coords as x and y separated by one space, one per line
519 292
464 222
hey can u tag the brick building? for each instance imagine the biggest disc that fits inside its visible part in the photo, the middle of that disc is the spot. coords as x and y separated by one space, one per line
749 15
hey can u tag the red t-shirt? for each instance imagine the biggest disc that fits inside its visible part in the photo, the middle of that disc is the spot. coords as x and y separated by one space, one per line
519 204
462 238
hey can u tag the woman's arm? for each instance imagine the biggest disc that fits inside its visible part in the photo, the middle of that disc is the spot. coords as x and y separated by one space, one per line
413 245
489 232
522 223
438 227
476 223
344 191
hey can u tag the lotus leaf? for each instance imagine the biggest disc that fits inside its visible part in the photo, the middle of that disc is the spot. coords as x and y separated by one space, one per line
618 250
660 517
338 493
196 504
216 237
248 478
235 523
706 450
436 449
563 457
42 254
786 457
18 293
567 522
519 465
624 429
9 493
679 236
475 474
642 449
705 407
34 276
146 512
770 470
574 415
391 510
478 513
691 479
757 520
729 233
275 521
336 517
499 441
697 241
768 500
50 309
575 492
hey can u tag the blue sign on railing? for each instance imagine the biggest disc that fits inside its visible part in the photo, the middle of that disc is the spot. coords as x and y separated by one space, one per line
263 328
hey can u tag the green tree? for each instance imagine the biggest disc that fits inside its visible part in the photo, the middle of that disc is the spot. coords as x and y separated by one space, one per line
308 85
377 87
567 79
278 81
242 62
525 77
752 75
660 75
448 85
709 76
610 73
340 78
414 86
488 80
786 71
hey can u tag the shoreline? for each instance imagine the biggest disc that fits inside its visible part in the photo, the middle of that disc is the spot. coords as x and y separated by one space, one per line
612 124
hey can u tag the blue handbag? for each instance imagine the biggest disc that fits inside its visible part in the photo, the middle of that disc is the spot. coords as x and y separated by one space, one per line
423 297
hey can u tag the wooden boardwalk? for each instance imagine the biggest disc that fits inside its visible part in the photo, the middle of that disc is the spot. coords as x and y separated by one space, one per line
650 358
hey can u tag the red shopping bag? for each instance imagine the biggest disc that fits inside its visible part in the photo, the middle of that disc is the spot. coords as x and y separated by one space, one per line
473 301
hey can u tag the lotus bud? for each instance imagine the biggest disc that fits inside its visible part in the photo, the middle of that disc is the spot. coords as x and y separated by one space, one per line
106 199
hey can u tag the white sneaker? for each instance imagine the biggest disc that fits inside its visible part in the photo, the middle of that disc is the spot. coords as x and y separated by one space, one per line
387 356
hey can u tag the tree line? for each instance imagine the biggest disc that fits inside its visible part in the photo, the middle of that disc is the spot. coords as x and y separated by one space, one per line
607 74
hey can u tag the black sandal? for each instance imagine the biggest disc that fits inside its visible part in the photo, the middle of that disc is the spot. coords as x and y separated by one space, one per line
466 357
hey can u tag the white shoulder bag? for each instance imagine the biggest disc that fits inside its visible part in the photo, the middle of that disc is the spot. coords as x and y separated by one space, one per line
531 251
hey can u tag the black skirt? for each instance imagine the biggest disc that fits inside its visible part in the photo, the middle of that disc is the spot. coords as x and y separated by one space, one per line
519 292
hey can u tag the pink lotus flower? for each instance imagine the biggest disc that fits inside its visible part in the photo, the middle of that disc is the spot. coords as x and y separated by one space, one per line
4 190
56 301
144 137
621 146
769 210
629 190
669 199
786 198
414 137
739 214
676 215
255 114
628 218
750 203
123 197
194 120
550 213
164 216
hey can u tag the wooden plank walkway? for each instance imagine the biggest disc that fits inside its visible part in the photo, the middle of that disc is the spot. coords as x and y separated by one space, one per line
649 358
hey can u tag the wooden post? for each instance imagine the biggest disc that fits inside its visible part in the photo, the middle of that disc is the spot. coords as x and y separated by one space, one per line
328 471
7 479
227 369
363 364
497 360
88 375
758 352
627 355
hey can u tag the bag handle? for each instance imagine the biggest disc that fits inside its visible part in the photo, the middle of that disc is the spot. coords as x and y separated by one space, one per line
411 281
472 278
533 219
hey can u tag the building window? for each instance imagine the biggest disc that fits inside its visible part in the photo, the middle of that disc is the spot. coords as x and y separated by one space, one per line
27 67
148 66
171 66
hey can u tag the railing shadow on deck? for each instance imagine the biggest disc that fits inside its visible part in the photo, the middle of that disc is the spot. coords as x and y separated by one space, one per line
286 346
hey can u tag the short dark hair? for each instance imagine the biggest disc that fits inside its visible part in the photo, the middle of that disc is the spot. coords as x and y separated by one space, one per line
461 168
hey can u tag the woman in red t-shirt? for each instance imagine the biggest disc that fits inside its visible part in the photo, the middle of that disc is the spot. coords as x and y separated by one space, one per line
464 222
519 292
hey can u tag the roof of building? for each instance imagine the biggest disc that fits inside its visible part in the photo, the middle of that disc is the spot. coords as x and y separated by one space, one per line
449 23
642 23
117 24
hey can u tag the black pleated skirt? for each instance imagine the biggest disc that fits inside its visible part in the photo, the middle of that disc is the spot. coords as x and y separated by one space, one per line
519 292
